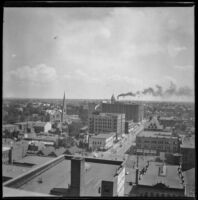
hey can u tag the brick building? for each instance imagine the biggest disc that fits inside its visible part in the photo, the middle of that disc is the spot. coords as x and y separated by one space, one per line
107 122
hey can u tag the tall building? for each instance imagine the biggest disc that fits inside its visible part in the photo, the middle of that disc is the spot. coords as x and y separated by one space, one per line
107 122
132 111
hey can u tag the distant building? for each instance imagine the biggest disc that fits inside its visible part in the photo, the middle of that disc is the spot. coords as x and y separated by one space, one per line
55 115
101 141
10 128
45 139
153 125
107 122
25 127
167 121
152 142
188 152
132 111
42 127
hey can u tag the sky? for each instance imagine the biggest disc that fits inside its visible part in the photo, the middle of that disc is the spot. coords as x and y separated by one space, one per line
92 53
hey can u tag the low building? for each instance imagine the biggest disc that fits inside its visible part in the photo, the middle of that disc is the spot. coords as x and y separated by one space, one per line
107 122
158 180
25 127
187 148
42 127
152 142
189 180
101 141
45 139
55 115
6 155
9 129
153 125
167 121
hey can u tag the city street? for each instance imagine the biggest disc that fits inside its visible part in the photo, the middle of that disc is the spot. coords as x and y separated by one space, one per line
117 151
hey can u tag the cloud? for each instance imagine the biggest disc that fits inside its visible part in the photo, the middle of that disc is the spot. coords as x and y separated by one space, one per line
38 74
13 55
183 67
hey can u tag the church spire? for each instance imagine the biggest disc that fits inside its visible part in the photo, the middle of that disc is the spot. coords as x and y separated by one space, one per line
63 108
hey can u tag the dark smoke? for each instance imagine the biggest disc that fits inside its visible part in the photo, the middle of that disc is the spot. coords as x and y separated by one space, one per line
184 91
159 91
126 94
148 91
171 91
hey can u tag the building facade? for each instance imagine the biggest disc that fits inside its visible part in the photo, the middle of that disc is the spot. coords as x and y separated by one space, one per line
133 112
101 141
107 122
187 148
42 127
152 142
6 155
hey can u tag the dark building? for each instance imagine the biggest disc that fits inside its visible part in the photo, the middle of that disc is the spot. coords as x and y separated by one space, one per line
132 111
187 149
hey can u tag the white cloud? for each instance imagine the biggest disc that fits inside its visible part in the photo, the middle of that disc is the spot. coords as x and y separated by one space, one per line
183 67
174 50
13 55
39 74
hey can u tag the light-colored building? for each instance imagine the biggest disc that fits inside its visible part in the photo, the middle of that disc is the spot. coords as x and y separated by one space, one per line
55 115
42 127
6 155
101 141
107 122
154 142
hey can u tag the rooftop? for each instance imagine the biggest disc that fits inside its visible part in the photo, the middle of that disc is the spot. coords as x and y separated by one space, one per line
10 192
13 171
103 135
9 125
59 177
5 148
40 124
152 176
159 134
188 142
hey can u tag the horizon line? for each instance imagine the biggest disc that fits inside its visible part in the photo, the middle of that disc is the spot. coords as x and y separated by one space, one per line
96 99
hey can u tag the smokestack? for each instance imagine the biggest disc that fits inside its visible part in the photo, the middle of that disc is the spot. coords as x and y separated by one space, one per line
77 176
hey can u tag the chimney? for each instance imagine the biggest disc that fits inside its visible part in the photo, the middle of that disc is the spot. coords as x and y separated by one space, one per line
136 177
77 176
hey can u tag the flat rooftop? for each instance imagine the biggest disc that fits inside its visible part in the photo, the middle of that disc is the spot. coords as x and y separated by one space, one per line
11 192
103 135
171 178
13 171
59 177
155 134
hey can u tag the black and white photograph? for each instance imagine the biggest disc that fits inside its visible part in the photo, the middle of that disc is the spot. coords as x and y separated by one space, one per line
98 101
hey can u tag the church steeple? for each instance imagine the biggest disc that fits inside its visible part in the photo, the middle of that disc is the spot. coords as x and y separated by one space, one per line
64 109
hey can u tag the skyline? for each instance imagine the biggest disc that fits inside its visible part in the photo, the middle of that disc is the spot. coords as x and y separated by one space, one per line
47 51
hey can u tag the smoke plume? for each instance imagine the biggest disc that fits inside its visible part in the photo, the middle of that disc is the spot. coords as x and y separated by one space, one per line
126 94
159 92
